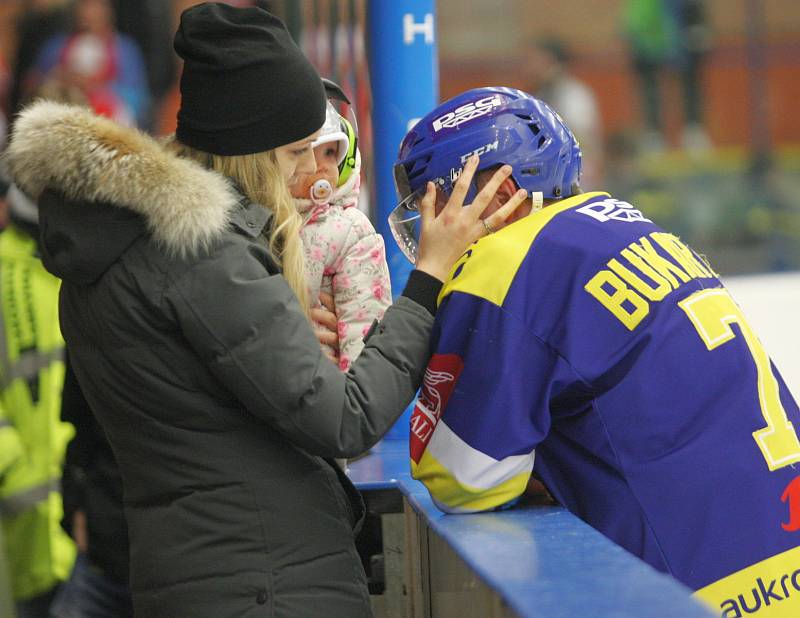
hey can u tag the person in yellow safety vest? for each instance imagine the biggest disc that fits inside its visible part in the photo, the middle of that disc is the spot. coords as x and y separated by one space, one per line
33 439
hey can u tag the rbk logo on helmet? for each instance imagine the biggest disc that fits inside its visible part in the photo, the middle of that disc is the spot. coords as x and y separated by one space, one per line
465 113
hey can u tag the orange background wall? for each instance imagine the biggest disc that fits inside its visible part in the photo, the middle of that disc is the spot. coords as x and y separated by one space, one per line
484 43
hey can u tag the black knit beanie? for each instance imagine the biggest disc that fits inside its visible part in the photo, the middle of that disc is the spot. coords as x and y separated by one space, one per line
246 87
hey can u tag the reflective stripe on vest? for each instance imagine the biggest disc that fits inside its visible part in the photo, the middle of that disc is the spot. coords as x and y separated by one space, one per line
29 364
22 320
4 423
26 500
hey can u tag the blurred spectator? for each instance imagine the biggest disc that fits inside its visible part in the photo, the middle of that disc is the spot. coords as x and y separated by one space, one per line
40 20
149 23
32 437
664 34
92 502
770 213
93 515
548 69
96 62
623 176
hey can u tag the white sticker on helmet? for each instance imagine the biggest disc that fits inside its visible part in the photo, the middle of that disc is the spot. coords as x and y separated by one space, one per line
467 112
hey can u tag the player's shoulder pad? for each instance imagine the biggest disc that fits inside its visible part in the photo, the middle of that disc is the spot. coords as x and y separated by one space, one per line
489 266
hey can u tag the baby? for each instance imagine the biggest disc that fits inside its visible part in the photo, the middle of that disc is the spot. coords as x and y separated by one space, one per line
345 256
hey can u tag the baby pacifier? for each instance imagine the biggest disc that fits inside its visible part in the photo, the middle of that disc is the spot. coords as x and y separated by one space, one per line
321 191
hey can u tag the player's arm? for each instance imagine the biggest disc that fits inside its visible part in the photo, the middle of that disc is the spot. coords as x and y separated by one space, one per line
483 407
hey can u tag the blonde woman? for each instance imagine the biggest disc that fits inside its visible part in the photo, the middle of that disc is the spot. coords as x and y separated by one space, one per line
183 309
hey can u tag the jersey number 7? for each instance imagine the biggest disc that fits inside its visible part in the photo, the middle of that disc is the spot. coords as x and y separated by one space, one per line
712 312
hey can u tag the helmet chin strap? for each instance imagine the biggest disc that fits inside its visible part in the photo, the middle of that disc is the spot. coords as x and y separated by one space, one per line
537 200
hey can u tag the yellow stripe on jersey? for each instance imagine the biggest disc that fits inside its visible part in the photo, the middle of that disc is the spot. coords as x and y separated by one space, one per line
454 497
490 265
767 589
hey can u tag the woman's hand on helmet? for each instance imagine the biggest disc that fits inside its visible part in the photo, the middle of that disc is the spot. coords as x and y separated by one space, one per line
445 237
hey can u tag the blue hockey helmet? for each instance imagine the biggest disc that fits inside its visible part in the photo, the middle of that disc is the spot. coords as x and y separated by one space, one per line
502 126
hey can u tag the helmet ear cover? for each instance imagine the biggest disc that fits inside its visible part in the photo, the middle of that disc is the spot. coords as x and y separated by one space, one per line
348 163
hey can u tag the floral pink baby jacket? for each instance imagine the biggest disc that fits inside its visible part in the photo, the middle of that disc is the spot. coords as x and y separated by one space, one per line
345 257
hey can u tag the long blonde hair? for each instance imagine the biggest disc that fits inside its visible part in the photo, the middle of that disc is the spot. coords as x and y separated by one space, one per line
259 177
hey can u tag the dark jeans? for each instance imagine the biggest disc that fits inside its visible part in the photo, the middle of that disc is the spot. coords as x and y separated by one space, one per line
89 593
37 607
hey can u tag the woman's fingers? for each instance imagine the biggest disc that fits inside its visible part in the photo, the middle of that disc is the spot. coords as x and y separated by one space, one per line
326 337
326 300
485 195
324 322
496 219
324 317
446 236
329 353
325 326
427 206
462 184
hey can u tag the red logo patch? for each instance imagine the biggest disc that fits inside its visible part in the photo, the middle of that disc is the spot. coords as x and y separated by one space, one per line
437 385
791 495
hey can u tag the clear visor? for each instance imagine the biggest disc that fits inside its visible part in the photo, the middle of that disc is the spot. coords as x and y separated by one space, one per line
406 224
331 131
404 220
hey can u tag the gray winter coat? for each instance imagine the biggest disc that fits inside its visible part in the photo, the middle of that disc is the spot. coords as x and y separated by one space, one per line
205 375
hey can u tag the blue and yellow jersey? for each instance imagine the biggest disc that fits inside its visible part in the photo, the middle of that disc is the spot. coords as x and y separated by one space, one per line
589 335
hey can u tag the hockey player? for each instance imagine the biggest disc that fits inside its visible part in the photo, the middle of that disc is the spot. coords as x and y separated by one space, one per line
587 335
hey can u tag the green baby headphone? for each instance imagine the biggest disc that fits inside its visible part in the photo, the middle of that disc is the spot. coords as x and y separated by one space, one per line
334 92
348 164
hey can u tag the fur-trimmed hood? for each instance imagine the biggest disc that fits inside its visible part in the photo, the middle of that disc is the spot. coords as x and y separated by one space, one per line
91 162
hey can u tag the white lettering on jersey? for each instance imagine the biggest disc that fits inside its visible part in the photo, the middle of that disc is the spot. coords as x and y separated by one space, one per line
612 210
